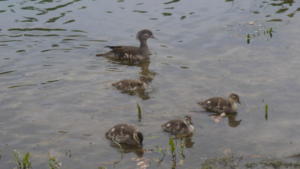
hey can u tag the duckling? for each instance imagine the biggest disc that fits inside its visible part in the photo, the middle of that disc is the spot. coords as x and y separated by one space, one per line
221 105
133 85
125 134
179 127
132 53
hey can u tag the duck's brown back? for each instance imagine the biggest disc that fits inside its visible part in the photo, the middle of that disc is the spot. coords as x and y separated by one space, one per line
122 133
130 53
176 127
216 104
128 84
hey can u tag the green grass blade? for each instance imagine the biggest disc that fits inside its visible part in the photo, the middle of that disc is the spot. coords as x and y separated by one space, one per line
139 111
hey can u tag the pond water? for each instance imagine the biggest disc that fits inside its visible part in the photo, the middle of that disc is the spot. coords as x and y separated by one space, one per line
56 95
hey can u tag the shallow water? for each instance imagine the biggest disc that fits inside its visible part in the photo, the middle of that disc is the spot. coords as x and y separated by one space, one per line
56 96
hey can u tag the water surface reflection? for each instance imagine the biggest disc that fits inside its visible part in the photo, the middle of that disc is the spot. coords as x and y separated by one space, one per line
50 79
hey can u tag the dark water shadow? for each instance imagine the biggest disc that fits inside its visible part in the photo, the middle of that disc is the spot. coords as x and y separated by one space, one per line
218 117
231 117
232 122
123 61
172 1
145 71
141 93
123 150
139 151
7 72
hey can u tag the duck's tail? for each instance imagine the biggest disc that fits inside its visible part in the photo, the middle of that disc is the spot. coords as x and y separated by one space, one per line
107 53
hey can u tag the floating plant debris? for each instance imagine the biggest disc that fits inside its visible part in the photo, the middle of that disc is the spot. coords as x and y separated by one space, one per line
69 21
139 11
274 20
166 13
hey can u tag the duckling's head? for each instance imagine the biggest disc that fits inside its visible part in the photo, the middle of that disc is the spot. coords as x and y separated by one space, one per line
146 79
138 137
234 98
144 34
188 119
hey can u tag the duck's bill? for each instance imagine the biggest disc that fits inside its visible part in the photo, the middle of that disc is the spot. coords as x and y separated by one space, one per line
153 37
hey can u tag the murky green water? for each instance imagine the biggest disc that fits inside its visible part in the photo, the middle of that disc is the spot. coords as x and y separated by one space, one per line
56 96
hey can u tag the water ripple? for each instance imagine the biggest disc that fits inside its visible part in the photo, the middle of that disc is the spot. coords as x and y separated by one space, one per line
7 72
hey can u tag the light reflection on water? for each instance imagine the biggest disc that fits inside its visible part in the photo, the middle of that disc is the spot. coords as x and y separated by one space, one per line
51 80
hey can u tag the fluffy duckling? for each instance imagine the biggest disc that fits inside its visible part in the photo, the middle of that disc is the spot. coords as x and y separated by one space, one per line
132 53
179 127
133 85
221 105
125 134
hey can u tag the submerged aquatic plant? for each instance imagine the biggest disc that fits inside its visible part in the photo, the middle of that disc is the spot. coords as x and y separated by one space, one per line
248 38
182 147
22 160
172 145
266 111
161 151
54 163
173 151
268 32
139 112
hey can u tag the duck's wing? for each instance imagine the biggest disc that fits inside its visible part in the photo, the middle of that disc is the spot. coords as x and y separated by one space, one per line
128 84
125 52
174 126
121 133
209 103
215 104
123 84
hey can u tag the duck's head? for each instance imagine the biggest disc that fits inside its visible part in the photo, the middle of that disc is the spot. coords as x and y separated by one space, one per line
144 34
234 98
188 119
138 137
